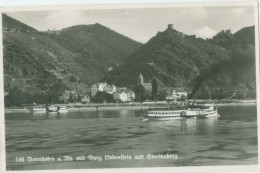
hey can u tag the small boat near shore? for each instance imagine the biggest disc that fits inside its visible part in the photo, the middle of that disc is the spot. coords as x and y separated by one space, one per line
52 108
62 109
37 109
180 112
47 108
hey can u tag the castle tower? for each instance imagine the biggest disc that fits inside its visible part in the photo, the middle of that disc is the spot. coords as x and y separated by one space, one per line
170 26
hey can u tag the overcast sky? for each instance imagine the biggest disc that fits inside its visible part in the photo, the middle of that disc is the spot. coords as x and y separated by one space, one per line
142 24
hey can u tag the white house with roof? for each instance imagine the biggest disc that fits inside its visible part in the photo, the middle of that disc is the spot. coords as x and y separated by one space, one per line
110 89
175 95
182 94
124 95
102 87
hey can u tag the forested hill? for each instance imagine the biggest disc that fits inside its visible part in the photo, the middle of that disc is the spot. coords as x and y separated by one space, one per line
44 64
221 67
97 43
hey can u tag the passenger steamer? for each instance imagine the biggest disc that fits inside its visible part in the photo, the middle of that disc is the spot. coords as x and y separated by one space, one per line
168 113
164 113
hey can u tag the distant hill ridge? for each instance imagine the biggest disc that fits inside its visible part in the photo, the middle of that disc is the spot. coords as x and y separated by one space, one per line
44 65
11 23
223 66
98 43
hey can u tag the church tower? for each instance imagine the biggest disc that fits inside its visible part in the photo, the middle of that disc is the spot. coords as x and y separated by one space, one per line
141 79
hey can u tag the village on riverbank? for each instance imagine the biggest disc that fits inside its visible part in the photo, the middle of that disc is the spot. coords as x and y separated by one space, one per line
102 93
106 96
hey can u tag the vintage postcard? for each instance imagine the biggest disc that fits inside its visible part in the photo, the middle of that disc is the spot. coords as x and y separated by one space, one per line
144 87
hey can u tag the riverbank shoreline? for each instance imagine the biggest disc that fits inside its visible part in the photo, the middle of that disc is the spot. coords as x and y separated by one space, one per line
78 107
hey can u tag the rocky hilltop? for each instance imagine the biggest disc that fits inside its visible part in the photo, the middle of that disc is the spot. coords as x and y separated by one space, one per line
222 67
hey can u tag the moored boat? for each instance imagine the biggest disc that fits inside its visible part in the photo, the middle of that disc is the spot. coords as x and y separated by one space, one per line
36 109
52 108
62 109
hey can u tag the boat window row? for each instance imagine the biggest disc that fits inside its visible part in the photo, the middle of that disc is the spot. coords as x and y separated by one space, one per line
165 112
166 108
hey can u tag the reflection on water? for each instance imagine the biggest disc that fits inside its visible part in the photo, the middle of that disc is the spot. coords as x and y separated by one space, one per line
229 139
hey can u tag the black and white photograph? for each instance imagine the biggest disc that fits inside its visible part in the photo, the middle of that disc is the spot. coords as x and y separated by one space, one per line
134 87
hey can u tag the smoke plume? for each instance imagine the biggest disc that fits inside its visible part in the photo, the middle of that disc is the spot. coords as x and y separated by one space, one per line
240 57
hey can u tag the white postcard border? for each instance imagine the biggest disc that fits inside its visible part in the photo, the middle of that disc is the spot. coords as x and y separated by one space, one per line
237 168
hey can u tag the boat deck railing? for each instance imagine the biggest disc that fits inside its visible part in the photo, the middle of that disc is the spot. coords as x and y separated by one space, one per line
178 108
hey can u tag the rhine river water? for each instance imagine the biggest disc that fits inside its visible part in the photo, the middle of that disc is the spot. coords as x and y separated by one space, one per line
230 139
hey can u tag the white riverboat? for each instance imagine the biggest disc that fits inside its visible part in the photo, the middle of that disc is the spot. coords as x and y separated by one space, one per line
168 113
